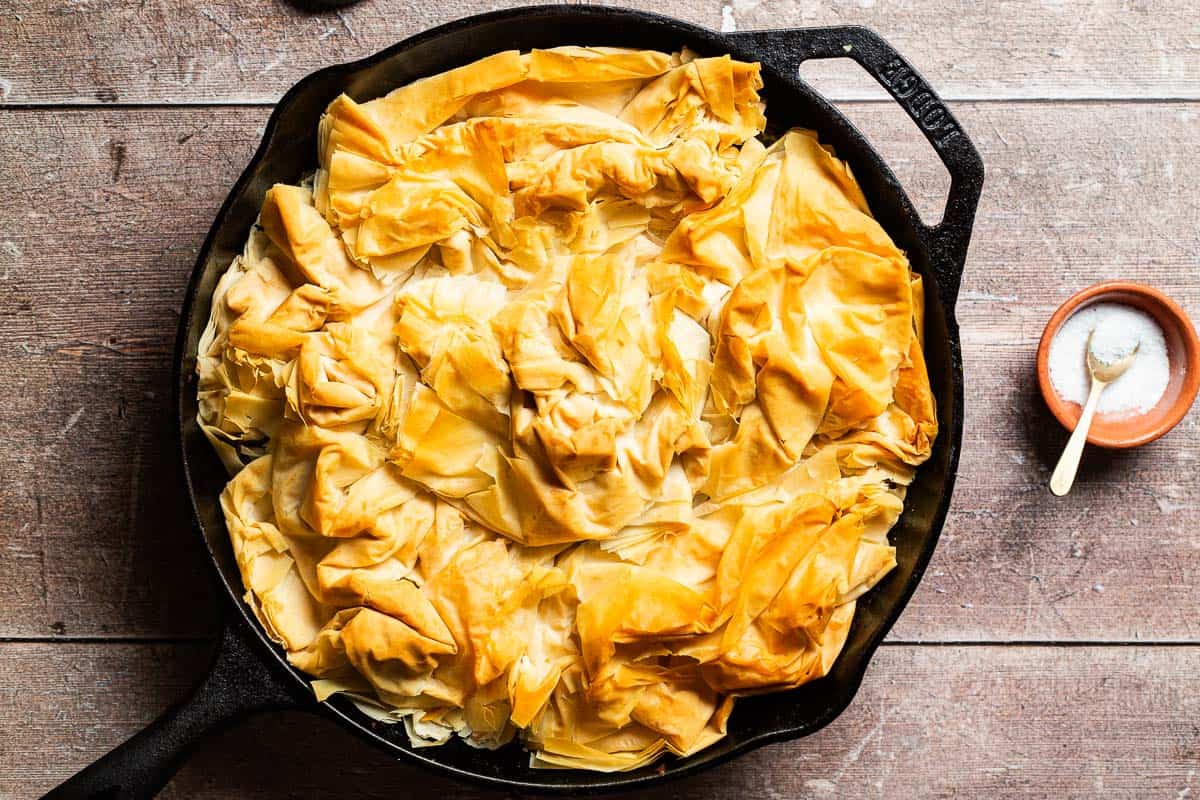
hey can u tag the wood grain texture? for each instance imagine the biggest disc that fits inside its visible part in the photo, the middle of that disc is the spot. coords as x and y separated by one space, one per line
95 249
1027 49
173 51
1043 721
91 278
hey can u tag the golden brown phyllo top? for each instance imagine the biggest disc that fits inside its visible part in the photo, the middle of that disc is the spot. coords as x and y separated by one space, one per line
558 405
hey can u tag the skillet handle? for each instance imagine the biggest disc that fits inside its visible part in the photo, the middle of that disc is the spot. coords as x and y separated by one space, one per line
238 683
787 49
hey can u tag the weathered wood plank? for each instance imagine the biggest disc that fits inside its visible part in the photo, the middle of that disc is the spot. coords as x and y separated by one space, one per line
82 51
169 51
95 247
104 212
1046 721
1029 49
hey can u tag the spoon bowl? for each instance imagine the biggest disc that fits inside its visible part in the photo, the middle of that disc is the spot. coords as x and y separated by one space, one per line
1107 372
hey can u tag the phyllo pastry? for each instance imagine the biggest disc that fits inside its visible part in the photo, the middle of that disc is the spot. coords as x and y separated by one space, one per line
559 406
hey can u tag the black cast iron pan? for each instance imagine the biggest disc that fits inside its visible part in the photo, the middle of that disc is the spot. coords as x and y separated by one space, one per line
249 673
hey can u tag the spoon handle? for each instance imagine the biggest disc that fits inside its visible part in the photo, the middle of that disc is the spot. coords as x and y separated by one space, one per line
1068 462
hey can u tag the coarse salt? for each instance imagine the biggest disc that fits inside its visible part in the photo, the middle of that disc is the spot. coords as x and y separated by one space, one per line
1118 330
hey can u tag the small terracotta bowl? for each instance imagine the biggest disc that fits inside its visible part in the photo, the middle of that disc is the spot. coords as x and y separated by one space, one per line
1183 353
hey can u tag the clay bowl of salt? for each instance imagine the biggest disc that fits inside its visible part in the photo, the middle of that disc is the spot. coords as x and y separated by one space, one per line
1156 391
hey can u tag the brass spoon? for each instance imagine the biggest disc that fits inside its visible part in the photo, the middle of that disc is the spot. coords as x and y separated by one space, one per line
1102 375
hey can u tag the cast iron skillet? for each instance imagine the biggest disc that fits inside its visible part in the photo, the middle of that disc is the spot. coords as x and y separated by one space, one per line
249 673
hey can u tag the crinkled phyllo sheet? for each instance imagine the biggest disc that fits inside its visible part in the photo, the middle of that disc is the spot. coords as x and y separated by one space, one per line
559 406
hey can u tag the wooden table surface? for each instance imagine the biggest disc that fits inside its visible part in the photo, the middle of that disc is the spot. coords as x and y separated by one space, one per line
1053 648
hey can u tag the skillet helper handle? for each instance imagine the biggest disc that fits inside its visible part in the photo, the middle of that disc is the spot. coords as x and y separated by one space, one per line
237 683
948 240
